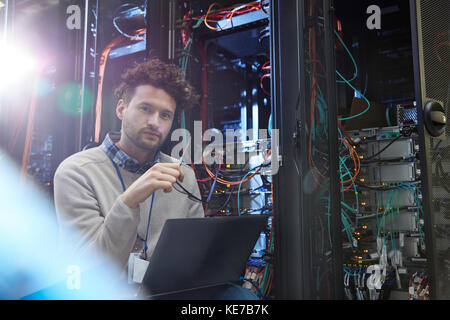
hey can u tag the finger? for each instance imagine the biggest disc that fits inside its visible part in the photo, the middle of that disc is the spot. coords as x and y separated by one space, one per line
181 177
172 165
162 165
164 177
171 171
171 168
164 185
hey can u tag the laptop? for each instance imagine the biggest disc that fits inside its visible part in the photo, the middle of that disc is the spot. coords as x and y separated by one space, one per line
201 252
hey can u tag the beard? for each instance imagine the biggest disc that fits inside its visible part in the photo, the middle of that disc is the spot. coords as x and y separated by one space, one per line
143 140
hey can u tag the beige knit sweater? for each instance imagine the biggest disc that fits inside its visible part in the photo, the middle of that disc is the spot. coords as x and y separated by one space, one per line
87 190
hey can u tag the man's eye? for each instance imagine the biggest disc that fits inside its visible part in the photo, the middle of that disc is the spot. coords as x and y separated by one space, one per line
146 109
165 116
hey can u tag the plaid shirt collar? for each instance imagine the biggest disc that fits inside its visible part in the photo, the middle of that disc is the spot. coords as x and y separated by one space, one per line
122 159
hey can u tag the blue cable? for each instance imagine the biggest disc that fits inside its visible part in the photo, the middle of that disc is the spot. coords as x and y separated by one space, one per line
260 294
119 175
329 222
384 214
348 207
256 263
398 216
347 227
388 120
353 274
270 125
148 225
344 80
414 191
363 96
355 75
349 221
342 137
354 188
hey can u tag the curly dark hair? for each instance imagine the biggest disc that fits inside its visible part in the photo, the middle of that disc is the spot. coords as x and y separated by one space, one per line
160 75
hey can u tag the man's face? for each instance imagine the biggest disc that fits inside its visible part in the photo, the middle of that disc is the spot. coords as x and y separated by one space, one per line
147 119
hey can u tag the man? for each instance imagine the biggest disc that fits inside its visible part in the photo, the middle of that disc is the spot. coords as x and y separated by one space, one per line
108 192
105 192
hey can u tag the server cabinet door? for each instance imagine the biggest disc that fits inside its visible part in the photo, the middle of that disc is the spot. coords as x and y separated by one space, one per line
431 47
308 222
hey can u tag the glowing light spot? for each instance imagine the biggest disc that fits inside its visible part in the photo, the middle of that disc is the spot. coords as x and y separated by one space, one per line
69 99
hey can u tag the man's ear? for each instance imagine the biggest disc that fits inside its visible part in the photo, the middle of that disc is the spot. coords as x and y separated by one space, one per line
120 108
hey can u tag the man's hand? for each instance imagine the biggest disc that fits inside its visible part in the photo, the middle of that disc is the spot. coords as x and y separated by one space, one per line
160 176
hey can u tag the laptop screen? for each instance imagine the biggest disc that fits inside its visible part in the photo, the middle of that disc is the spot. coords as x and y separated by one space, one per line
194 253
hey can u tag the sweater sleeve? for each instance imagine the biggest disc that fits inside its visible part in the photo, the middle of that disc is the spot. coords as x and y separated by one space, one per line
77 208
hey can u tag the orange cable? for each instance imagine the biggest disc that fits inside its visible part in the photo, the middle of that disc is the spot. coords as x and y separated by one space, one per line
252 5
30 126
233 183
101 74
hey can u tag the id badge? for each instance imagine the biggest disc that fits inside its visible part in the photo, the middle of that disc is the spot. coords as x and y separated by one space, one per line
136 268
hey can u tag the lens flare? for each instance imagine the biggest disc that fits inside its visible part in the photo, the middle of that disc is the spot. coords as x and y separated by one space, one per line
69 99
16 64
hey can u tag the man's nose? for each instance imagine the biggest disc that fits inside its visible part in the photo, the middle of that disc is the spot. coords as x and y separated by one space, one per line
153 120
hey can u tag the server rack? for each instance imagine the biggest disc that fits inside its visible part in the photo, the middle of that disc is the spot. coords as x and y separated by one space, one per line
413 229
304 239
